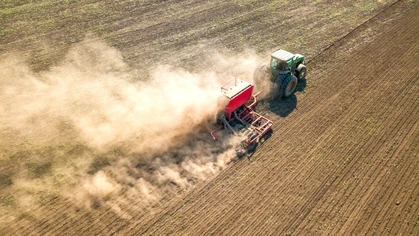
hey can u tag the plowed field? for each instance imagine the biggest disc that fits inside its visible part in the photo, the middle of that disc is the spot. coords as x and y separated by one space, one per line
343 158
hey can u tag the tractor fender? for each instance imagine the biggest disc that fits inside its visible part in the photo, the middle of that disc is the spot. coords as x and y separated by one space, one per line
298 58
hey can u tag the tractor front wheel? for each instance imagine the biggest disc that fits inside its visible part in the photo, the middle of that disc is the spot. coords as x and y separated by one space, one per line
301 72
288 85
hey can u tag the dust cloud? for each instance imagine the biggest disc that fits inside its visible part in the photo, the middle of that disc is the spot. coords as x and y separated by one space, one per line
90 130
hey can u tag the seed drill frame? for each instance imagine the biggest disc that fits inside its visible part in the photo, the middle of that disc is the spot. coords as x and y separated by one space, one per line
237 113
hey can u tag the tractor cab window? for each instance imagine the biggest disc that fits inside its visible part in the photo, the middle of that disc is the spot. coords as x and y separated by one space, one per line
274 63
278 64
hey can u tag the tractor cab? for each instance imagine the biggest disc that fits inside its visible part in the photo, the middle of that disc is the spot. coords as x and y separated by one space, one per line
282 60
284 71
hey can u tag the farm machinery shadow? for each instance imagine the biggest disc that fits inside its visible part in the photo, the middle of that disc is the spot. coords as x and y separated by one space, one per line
284 106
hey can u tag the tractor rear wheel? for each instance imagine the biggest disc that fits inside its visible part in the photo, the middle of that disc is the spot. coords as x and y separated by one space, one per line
288 85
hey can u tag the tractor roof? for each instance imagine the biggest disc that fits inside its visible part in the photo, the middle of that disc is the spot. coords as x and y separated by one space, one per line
282 55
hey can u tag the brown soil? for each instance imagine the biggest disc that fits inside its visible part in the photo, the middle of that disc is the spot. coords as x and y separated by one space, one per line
343 156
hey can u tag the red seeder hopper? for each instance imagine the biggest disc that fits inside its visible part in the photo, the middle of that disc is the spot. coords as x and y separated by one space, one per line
237 115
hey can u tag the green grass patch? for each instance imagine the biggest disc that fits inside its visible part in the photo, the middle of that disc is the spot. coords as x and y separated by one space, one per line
7 200
244 2
369 6
346 160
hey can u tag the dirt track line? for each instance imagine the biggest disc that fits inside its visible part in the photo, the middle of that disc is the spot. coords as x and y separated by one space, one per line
34 221
413 208
176 207
354 187
214 183
118 224
413 118
55 221
114 224
106 223
152 15
396 189
388 144
413 103
335 180
369 227
374 180
49 217
354 30
202 206
350 153
102 215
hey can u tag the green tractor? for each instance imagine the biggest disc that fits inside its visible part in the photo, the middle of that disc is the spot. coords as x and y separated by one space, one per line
281 76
